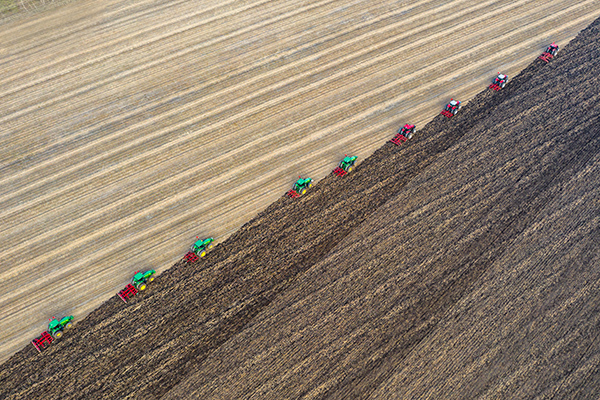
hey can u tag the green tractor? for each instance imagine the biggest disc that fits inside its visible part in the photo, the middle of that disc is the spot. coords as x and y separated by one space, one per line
141 279
56 327
300 187
346 166
202 246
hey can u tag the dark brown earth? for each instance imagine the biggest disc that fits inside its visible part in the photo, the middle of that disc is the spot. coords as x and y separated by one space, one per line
462 264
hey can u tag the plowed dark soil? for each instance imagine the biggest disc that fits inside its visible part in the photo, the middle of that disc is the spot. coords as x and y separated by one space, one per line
327 296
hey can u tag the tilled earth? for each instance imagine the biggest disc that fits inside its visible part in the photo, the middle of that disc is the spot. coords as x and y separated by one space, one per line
340 294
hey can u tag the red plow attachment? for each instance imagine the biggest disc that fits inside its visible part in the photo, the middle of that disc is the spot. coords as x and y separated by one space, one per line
127 293
447 113
546 57
339 172
43 341
495 87
292 194
398 139
191 257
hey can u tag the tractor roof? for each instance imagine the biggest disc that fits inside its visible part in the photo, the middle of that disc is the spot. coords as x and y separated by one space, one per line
454 102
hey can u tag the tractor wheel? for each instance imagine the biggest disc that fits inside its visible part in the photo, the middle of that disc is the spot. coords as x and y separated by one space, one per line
303 192
210 246
203 253
142 287
349 169
502 86
150 279
310 185
57 334
68 325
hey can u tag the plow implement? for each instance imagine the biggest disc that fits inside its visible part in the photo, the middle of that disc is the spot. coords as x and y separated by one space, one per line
43 341
292 194
546 57
447 113
191 257
127 293
339 172
495 87
398 139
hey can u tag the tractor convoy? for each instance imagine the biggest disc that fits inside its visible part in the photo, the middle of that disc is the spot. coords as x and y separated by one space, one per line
199 249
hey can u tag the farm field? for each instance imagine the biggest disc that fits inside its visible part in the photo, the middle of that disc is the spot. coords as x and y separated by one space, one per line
463 263
128 128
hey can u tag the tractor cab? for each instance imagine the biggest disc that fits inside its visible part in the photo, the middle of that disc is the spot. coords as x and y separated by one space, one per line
501 78
552 49
138 277
54 325
453 104
407 131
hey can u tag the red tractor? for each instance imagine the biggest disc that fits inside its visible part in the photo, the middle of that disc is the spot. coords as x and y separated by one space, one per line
451 108
499 82
405 133
550 52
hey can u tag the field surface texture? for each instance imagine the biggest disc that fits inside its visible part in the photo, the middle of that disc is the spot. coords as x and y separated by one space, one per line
463 264
128 128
